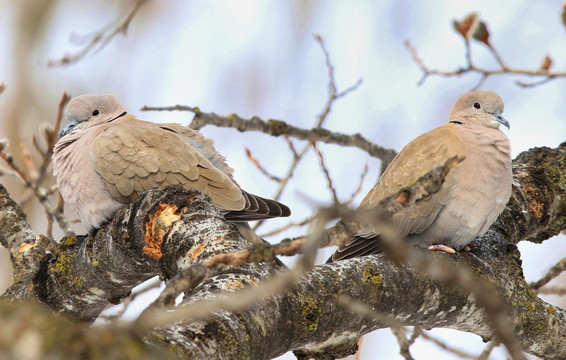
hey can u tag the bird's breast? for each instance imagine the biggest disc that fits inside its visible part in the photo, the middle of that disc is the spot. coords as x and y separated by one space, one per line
79 184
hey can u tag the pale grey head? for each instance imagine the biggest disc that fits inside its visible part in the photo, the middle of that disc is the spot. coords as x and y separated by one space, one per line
480 107
88 110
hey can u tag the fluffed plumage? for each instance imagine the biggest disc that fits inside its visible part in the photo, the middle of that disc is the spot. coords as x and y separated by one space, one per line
106 158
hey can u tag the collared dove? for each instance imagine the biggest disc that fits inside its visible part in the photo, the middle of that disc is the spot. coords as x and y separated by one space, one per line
105 158
474 193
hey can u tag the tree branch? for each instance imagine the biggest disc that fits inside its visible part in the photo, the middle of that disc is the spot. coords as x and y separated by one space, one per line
278 128
474 28
168 231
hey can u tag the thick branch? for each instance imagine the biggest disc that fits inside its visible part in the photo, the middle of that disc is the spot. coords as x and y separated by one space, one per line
82 275
29 331
308 317
537 209
157 235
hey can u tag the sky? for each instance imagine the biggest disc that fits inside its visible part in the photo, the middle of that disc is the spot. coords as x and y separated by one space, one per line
258 58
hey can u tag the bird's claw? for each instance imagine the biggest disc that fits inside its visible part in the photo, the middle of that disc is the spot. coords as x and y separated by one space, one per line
444 248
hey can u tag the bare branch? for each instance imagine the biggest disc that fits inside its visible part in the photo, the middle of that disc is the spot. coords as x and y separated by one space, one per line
292 224
472 27
404 344
260 167
381 284
487 350
553 290
360 184
326 173
457 352
152 284
278 128
552 273
100 39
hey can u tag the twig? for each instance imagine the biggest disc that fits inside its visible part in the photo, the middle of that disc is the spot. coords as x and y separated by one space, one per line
487 350
152 284
333 93
444 346
525 85
100 39
403 343
2 88
358 189
285 180
40 192
298 223
361 309
277 128
26 159
51 136
331 84
551 274
470 67
326 173
553 290
259 166
332 96
291 146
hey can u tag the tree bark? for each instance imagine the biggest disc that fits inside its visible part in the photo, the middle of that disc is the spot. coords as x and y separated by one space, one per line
167 231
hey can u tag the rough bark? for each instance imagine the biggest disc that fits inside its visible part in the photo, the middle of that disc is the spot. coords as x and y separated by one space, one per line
167 231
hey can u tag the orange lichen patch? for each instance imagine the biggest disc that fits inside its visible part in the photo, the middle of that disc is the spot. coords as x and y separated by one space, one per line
254 283
198 250
155 229
536 208
25 247
218 239
234 284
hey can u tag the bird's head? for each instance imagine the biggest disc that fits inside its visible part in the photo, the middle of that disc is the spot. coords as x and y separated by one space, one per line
88 110
480 107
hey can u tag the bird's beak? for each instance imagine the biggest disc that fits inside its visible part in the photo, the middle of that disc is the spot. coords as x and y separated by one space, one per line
500 119
67 129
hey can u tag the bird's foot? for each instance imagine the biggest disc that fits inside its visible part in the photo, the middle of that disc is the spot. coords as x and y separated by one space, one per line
444 248
469 247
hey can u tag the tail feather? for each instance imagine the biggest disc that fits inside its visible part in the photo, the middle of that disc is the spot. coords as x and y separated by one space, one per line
258 208
359 246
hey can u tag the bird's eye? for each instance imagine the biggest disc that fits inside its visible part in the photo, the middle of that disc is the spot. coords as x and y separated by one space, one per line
96 112
477 105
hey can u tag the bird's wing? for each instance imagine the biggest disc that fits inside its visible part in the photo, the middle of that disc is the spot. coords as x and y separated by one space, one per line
132 156
420 156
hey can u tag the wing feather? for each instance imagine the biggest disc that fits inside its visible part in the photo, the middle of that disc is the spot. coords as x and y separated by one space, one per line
420 156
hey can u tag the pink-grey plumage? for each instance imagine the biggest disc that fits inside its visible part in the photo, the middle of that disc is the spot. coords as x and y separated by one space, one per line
106 158
474 193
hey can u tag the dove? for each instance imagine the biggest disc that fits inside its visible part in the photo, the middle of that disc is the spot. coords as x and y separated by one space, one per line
473 194
105 158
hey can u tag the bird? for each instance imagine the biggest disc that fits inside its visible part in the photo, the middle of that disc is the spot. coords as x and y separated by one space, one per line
105 158
473 194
